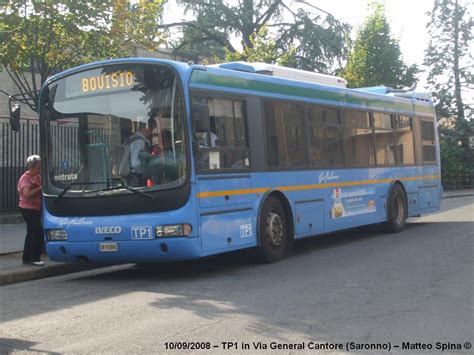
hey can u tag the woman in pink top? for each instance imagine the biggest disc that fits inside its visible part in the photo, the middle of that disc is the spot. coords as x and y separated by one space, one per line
29 190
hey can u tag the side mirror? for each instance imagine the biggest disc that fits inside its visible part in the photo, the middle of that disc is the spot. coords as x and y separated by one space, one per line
15 114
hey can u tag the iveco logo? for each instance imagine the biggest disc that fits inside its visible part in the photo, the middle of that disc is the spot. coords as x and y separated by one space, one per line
108 230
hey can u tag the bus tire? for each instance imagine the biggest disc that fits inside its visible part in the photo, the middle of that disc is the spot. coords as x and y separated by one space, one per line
397 212
273 234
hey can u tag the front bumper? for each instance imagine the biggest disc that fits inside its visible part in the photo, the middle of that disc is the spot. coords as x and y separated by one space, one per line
149 251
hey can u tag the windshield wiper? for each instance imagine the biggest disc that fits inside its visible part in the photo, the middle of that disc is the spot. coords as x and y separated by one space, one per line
66 189
74 183
71 184
138 192
123 185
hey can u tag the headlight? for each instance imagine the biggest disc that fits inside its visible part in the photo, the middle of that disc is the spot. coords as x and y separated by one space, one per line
173 230
57 234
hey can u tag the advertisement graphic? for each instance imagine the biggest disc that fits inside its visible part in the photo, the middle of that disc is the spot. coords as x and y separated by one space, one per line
352 202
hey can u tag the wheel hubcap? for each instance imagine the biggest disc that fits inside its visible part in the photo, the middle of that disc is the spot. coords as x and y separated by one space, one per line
275 228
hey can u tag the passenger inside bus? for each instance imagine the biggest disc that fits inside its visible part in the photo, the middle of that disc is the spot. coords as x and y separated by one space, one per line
139 145
205 138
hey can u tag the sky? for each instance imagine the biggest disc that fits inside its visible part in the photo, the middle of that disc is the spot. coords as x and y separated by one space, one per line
407 18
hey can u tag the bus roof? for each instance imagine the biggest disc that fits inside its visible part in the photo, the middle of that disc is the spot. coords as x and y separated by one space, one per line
255 79
284 72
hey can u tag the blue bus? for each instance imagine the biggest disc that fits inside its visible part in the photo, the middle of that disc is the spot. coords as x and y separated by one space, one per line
230 156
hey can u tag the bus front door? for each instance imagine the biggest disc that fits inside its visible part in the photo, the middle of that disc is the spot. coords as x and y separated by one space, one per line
225 213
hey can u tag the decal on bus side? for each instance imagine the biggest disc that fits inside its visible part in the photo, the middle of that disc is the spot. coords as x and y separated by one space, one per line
245 230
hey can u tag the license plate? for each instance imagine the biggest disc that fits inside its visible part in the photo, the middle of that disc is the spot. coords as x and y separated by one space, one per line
108 247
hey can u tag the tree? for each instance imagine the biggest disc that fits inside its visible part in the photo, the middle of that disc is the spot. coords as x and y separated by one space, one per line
449 57
137 24
317 42
457 169
263 49
40 38
375 58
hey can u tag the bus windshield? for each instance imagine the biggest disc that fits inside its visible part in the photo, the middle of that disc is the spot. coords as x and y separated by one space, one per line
117 125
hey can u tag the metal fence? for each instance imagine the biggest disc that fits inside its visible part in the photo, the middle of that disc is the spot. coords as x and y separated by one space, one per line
14 148
461 178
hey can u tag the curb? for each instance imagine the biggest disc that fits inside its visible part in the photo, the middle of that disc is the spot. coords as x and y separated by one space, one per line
459 195
43 272
9 253
11 219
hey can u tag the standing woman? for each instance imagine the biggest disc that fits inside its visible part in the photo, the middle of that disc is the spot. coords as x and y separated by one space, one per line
29 190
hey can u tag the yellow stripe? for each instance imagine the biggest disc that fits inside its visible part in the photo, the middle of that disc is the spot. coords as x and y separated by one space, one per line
231 192
309 187
427 177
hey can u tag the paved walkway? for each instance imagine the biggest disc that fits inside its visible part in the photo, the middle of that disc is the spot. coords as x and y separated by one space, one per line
12 270
12 237
458 193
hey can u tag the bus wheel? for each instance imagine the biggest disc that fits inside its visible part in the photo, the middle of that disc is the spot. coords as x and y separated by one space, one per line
397 210
273 233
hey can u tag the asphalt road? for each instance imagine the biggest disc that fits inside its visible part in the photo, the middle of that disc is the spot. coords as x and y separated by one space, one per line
361 286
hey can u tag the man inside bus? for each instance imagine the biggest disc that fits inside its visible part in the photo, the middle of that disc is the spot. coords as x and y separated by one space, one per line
139 144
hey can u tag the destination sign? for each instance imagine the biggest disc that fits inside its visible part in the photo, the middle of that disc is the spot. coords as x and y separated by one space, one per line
104 82
98 81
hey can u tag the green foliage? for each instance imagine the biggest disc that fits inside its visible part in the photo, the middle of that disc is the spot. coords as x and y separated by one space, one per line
375 58
263 49
308 41
450 62
137 24
450 162
457 158
40 38
449 57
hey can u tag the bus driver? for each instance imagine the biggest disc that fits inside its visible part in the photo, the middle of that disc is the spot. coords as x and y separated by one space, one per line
139 142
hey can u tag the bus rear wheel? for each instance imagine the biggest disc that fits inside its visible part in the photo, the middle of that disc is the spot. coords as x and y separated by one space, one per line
397 210
273 233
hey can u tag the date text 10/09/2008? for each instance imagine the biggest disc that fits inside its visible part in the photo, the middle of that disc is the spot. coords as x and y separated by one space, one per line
348 346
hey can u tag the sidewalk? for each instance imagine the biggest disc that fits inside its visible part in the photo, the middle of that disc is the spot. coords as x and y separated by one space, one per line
12 237
458 193
12 270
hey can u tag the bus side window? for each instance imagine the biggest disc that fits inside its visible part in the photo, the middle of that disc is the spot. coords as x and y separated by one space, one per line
405 148
417 140
428 141
285 134
359 140
221 142
385 149
325 137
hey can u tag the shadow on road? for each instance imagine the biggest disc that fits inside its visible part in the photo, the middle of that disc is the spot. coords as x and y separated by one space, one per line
332 282
8 345
241 260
